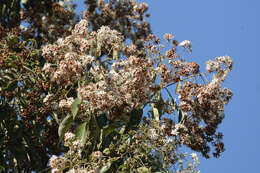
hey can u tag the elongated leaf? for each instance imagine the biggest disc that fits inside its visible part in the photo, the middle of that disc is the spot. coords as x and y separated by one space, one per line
178 87
110 129
82 132
116 54
95 130
2 168
105 168
155 112
181 117
64 125
11 86
101 120
135 118
75 107
158 106
32 78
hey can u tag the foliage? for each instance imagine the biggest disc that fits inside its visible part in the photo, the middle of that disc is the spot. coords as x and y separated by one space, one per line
77 90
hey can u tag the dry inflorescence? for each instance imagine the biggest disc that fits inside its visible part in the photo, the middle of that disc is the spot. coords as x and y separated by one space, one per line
120 83
99 75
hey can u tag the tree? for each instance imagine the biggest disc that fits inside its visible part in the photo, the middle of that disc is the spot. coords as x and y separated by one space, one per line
74 91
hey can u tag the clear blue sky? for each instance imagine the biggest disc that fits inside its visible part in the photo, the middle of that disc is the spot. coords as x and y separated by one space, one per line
217 28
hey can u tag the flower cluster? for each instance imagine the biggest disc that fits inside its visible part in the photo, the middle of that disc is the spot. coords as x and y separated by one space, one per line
57 163
113 79
72 158
81 28
128 84
206 102
66 104
186 44
169 128
108 38
67 59
211 97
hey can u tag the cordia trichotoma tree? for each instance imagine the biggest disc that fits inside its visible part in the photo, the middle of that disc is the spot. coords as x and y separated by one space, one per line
100 93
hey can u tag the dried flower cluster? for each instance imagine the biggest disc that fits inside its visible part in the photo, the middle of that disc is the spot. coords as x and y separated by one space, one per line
128 84
96 79
71 158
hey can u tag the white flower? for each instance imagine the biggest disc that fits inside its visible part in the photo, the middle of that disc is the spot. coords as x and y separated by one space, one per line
62 3
169 140
153 134
212 66
174 132
46 68
60 41
47 98
44 19
226 60
73 170
77 144
87 59
53 161
186 44
195 158
66 103
21 27
69 136
97 154
56 170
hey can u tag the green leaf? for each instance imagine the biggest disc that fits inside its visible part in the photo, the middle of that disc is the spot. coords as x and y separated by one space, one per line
5 112
143 170
156 114
105 168
75 107
101 120
11 85
158 106
135 118
82 132
2 168
116 54
181 117
178 87
12 39
110 129
32 78
94 129
64 126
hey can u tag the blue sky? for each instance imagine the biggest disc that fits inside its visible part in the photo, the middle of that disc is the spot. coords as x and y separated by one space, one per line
217 28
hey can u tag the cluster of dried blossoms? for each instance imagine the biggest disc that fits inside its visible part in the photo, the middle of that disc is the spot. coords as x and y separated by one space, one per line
126 83
147 144
128 17
72 158
116 83
206 102
93 62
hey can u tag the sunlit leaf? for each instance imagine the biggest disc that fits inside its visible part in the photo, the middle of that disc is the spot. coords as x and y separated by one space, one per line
64 125
75 107
105 168
178 87
95 130
181 117
11 85
158 106
82 132
110 129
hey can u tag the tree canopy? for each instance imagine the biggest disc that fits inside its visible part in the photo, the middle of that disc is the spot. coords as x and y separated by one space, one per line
75 90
